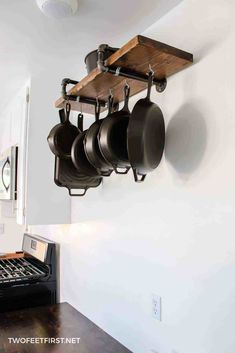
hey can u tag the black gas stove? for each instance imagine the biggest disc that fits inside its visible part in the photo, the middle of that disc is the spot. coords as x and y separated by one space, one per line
28 277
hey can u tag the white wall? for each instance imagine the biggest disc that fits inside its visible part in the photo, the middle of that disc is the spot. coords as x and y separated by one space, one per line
11 129
11 238
173 235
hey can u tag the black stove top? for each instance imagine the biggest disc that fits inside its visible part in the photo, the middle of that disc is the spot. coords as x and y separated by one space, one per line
28 278
18 269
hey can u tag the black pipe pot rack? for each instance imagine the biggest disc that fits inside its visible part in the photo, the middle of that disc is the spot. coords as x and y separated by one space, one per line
119 71
70 97
160 85
133 61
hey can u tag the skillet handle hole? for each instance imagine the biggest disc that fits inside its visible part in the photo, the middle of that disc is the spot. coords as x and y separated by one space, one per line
82 193
138 178
119 170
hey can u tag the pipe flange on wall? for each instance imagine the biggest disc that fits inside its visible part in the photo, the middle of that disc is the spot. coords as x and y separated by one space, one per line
160 85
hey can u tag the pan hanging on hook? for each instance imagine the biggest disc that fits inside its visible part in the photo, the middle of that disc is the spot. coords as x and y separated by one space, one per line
91 145
62 136
113 137
145 135
78 154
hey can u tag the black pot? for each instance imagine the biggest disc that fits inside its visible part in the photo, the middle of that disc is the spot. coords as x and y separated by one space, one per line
92 58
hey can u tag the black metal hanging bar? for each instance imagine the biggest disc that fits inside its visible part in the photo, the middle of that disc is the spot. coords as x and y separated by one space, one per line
85 100
119 71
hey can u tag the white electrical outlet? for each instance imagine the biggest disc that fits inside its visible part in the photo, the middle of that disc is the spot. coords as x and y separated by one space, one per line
156 307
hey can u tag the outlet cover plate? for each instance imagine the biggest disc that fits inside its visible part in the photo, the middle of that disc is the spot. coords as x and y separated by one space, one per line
156 307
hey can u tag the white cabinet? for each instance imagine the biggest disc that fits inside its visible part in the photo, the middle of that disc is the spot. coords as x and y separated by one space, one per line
27 122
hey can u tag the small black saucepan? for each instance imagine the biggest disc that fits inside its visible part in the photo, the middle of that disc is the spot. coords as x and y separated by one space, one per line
61 137
145 136
78 154
112 137
92 57
91 144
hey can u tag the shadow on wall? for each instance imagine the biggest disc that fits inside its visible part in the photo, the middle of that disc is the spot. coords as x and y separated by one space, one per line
186 139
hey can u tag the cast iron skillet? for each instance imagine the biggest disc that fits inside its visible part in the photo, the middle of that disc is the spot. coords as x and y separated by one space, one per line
91 145
112 137
145 136
66 175
78 154
61 137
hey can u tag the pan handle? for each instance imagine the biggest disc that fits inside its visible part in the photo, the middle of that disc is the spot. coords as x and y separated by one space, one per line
78 194
80 122
67 111
136 176
106 173
125 170
110 104
150 83
126 97
97 110
62 116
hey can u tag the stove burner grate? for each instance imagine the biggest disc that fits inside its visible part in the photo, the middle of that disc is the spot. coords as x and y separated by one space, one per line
13 270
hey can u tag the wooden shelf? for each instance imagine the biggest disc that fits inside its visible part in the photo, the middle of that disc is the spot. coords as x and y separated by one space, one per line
136 55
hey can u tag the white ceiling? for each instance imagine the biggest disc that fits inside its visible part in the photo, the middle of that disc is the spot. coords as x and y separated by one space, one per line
28 38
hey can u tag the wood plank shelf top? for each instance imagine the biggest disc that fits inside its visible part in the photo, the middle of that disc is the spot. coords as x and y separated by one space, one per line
136 55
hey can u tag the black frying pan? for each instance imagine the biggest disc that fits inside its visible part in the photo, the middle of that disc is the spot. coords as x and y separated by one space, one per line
61 137
112 137
91 144
145 136
78 154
